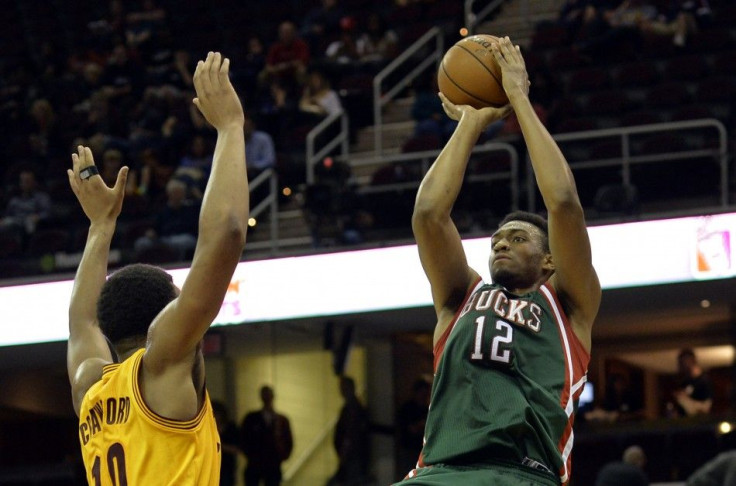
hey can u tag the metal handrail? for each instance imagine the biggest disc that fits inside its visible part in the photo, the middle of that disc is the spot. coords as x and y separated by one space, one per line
307 454
380 100
627 160
342 139
472 19
271 202
426 157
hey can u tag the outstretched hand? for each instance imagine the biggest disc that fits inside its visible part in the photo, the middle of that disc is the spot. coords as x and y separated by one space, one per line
99 202
485 116
216 97
513 68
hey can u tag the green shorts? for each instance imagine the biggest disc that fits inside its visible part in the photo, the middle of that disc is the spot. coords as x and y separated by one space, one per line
481 475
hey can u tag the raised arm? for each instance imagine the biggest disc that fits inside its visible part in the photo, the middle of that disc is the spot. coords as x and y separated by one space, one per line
575 279
87 349
440 247
177 330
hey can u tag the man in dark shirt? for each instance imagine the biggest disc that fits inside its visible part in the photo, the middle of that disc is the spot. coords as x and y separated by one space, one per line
695 395
628 472
266 441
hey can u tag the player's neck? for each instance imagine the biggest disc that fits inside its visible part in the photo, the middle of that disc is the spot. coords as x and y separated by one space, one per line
125 348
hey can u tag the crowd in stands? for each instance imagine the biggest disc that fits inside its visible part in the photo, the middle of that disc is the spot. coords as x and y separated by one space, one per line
120 82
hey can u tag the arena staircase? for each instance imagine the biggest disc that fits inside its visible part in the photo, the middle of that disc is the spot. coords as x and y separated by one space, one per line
516 18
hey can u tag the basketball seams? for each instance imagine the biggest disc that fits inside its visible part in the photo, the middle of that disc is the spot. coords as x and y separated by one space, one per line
481 63
447 75
466 62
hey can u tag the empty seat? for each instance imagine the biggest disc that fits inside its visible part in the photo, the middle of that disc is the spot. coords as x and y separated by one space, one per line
686 68
588 79
640 117
716 89
637 75
48 241
609 102
668 95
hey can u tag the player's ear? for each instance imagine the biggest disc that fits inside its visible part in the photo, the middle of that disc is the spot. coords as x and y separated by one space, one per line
547 263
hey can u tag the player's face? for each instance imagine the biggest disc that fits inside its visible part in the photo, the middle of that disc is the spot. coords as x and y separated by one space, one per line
517 255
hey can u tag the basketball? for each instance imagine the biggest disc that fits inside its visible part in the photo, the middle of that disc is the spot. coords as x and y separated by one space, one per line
469 74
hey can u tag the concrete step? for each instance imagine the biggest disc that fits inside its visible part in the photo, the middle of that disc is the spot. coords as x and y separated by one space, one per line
291 224
392 135
398 110
518 20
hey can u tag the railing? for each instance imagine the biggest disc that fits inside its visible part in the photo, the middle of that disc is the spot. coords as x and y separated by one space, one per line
427 157
626 160
306 455
341 138
380 100
472 19
270 203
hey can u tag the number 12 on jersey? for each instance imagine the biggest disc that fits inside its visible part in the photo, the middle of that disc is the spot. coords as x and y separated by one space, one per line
500 351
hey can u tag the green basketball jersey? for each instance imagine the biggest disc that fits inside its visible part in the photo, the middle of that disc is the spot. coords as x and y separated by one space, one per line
508 373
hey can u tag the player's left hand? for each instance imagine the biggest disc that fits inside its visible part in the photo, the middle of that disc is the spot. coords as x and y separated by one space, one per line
513 68
99 202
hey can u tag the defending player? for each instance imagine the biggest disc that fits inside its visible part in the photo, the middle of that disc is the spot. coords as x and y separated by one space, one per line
144 413
510 356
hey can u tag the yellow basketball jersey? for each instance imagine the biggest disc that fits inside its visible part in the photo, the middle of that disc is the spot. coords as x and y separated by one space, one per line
125 443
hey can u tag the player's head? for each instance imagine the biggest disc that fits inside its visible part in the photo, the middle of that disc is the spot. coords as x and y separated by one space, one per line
130 299
520 252
686 360
267 396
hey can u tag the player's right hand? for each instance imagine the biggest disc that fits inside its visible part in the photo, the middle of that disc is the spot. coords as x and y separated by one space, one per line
216 97
484 116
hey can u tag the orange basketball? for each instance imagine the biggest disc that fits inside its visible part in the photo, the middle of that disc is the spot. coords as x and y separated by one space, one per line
469 74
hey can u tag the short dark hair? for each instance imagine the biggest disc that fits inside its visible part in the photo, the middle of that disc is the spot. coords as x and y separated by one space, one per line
530 218
131 298
686 353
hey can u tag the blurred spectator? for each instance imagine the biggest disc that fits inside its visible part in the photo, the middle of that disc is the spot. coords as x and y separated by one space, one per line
352 442
377 44
610 25
109 28
680 20
144 26
229 440
695 394
175 224
122 76
628 472
248 68
27 207
318 98
426 110
171 71
112 162
571 15
287 60
321 25
344 50
195 165
719 471
266 441
43 130
154 175
259 156
619 404
410 421
259 149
